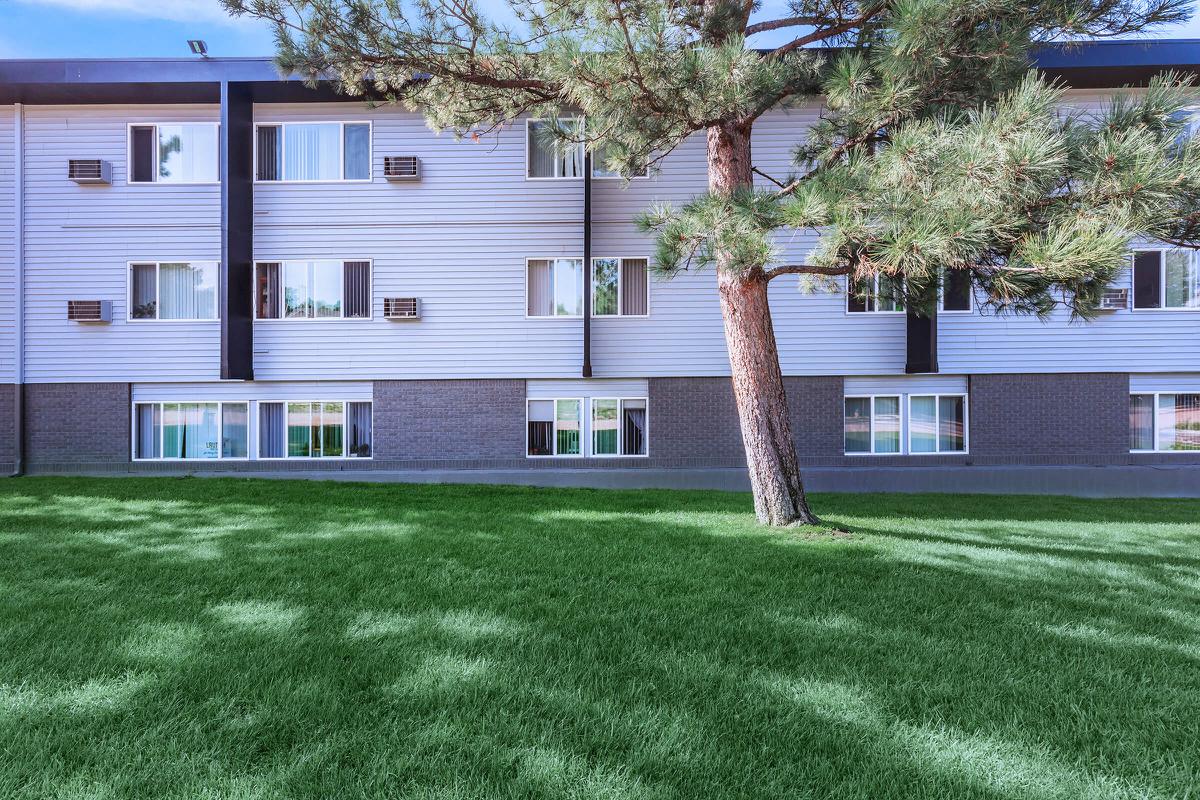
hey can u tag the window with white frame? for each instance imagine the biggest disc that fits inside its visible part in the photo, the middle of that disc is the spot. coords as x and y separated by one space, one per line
172 431
314 429
551 153
875 424
174 152
1165 279
321 289
173 290
620 287
937 423
600 168
555 427
562 154
955 295
880 294
618 426
312 151
554 287
1164 422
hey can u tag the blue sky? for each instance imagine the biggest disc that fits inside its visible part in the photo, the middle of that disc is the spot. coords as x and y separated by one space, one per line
112 28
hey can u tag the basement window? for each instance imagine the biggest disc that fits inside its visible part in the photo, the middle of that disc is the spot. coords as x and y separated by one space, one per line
1164 422
937 423
618 427
171 431
872 425
314 429
555 427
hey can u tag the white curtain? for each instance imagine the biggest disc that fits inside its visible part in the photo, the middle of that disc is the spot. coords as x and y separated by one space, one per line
187 291
538 301
188 153
311 152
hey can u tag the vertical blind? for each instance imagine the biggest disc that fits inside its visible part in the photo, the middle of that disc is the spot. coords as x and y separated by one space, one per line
634 294
357 289
270 162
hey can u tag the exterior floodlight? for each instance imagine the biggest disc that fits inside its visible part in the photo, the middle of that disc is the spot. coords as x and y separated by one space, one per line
198 47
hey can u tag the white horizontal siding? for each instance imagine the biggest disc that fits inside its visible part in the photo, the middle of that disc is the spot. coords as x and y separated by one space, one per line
459 239
1179 382
1116 341
79 240
253 390
8 243
585 387
907 384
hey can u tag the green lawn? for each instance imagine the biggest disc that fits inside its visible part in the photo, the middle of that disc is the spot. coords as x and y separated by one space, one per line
191 638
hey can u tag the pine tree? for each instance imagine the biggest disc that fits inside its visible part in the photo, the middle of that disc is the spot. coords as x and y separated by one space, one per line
938 148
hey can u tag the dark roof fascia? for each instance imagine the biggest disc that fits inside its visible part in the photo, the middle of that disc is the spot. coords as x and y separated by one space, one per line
1086 65
1112 64
150 80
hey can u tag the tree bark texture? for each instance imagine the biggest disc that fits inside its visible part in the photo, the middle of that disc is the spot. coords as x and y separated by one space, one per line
753 355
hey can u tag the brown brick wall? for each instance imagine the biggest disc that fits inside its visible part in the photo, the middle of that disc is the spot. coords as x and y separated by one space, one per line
452 420
77 423
1050 419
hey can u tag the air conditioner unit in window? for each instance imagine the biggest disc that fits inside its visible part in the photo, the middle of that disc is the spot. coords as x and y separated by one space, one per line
401 308
1114 299
89 170
401 168
89 310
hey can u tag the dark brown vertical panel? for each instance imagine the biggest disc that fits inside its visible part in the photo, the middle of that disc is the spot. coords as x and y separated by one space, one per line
237 232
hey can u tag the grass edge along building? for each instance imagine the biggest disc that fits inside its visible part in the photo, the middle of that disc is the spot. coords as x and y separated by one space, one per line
204 266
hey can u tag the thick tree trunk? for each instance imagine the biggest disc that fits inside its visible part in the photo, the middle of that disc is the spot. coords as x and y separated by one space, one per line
753 355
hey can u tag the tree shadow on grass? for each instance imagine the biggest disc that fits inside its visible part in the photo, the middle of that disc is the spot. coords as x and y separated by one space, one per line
367 640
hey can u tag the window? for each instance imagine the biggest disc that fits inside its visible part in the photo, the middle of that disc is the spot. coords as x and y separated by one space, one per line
613 426
619 287
873 424
313 151
548 156
1164 422
877 294
185 431
186 152
600 169
618 427
173 290
937 424
1165 279
313 290
554 287
314 429
956 294
555 427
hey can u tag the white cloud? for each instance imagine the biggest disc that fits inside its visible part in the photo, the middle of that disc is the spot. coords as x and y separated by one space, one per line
174 10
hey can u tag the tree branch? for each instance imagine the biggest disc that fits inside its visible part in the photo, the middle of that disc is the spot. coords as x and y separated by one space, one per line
758 171
830 32
776 24
804 269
